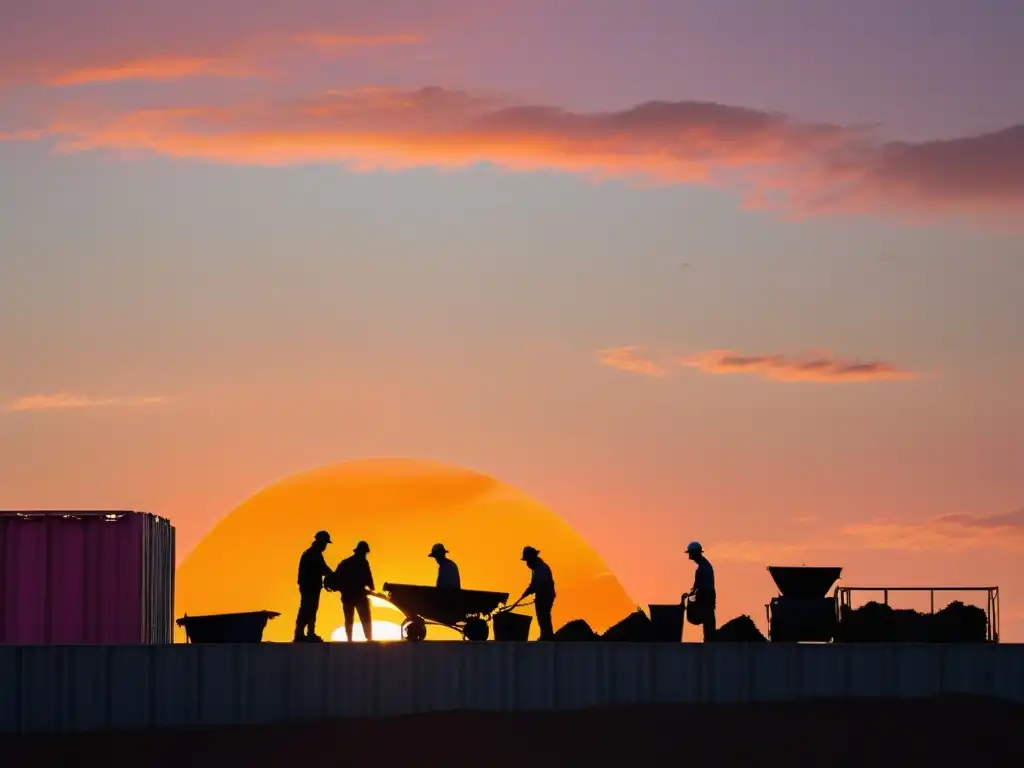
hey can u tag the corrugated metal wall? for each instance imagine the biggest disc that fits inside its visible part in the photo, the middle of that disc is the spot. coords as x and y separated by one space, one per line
157 548
86 687
86 576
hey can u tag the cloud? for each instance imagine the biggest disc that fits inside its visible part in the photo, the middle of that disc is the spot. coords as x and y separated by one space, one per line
153 69
947 533
768 552
630 359
67 401
822 367
775 161
819 367
60 43
256 59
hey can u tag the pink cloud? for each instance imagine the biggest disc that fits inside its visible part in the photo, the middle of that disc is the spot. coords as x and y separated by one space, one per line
947 533
252 60
64 401
792 166
70 43
821 368
631 360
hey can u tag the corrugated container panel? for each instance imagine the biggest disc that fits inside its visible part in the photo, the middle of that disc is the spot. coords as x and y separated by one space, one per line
89 687
91 577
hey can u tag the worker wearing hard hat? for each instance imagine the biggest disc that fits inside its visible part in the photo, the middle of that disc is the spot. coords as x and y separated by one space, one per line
447 570
312 569
354 579
702 596
542 587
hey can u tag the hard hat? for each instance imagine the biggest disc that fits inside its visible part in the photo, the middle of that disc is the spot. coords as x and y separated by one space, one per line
694 546
437 550
323 536
529 552
362 547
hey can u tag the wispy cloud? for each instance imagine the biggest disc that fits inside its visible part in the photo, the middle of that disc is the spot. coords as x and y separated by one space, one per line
157 69
947 533
259 58
68 401
630 359
770 552
775 161
106 41
817 367
944 534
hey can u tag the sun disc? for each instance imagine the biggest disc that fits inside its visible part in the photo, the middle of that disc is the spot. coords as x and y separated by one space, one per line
385 631
402 508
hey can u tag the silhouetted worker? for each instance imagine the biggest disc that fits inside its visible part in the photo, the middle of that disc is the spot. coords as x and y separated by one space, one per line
312 569
354 579
703 593
447 570
542 587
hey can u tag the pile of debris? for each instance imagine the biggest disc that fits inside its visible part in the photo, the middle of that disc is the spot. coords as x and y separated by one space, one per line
576 630
637 628
742 629
879 623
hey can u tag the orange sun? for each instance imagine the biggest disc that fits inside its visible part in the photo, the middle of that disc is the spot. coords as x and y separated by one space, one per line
249 561
383 631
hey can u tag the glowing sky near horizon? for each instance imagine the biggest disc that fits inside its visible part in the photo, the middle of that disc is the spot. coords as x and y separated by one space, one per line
746 273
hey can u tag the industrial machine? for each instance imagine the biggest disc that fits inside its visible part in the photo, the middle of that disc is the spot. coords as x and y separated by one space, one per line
803 612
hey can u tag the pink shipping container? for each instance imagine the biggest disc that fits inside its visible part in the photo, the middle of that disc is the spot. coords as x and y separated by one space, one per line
93 577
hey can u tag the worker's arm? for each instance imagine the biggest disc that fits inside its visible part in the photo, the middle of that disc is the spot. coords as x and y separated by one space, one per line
369 578
532 588
325 569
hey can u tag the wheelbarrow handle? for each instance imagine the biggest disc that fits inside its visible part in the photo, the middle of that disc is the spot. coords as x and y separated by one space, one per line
515 605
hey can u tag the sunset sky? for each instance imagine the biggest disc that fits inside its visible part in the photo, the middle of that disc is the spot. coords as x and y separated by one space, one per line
748 273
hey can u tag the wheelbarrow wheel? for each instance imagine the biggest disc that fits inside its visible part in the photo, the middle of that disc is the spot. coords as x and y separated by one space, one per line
476 630
414 630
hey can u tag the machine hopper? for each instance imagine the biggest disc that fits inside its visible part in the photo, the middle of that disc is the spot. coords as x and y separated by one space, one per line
804 582
802 612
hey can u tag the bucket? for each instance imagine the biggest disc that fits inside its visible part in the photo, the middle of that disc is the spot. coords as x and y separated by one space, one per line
227 627
512 627
666 623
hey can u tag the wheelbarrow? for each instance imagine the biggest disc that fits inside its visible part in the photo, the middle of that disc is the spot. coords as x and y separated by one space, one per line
467 611
226 627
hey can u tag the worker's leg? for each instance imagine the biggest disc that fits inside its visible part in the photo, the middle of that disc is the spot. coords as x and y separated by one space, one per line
543 607
306 615
710 626
363 609
314 608
300 619
348 608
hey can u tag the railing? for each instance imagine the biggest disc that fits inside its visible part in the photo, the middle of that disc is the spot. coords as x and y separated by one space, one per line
844 599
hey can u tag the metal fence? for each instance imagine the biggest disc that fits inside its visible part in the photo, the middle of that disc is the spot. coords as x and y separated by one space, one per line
48 688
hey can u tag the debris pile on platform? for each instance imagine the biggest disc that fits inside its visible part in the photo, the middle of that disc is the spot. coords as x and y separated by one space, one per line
742 629
576 630
635 628
879 623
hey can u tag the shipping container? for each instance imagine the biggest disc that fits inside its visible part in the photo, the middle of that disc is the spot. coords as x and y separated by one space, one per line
86 577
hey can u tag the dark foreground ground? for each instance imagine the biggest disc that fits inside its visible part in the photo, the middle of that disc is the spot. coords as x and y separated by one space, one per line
865 732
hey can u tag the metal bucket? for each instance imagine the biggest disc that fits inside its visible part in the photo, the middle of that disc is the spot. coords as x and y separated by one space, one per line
512 627
666 623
